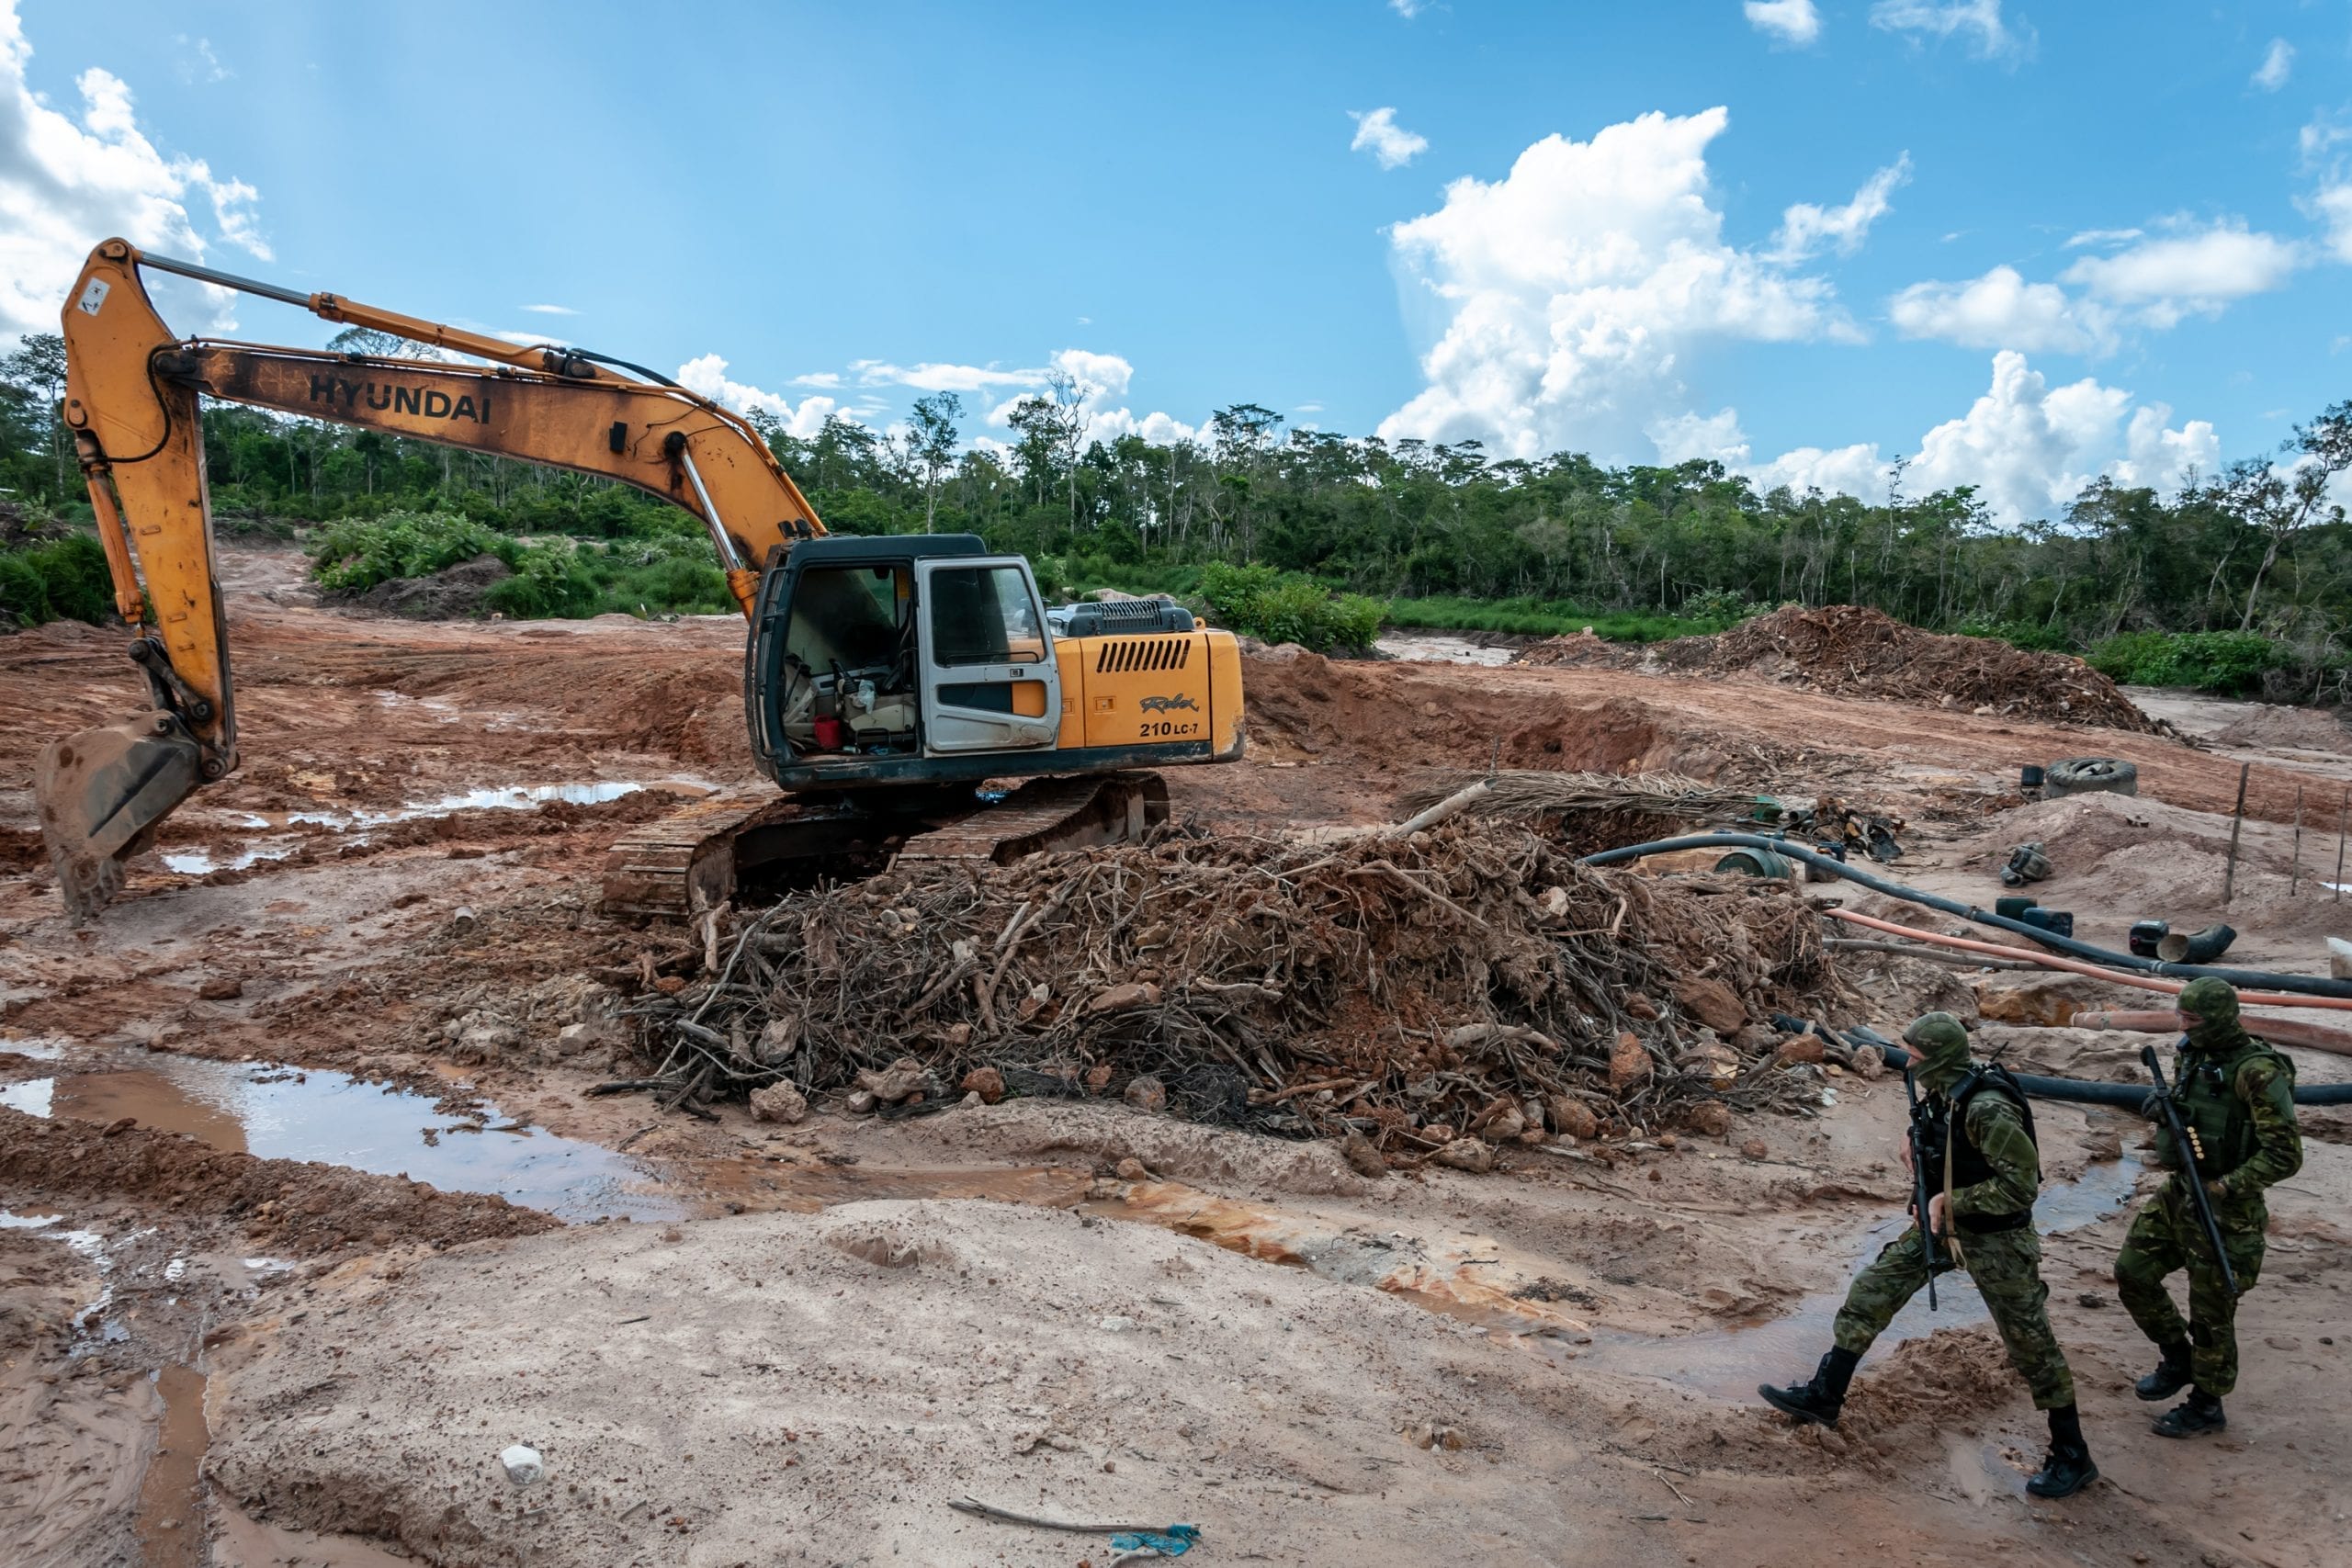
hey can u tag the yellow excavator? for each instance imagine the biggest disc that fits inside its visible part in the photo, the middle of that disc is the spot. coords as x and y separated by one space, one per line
893 685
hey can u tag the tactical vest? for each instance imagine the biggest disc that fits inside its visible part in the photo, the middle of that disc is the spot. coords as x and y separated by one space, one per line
1969 1165
2204 1093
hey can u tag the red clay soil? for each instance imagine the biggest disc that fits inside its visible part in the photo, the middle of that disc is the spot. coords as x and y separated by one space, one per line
306 1210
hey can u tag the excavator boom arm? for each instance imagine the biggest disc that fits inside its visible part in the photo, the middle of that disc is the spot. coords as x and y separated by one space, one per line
132 390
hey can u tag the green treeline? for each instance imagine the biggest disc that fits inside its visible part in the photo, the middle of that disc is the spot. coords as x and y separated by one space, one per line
2253 560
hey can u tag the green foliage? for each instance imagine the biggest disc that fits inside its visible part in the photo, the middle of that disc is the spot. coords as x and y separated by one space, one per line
353 555
1722 608
1276 607
56 580
2226 663
550 580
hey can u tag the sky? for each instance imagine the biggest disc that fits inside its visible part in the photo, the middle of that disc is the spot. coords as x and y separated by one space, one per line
2021 242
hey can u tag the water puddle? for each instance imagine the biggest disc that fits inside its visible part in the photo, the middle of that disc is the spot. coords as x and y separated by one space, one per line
1727 1363
170 1513
330 1118
1437 647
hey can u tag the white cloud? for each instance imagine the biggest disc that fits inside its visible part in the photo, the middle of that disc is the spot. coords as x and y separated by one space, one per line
1573 288
2194 272
1307 408
2028 447
201 64
2276 67
823 380
1978 21
2102 238
2332 205
1408 9
63 185
551 309
1390 144
936 378
707 375
1682 437
1804 228
1792 22
2000 309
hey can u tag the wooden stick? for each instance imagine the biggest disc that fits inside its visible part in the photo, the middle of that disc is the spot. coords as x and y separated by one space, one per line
2237 821
989 1511
2343 808
1450 806
2295 876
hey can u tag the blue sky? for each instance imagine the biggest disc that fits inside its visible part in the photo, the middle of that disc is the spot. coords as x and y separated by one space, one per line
2028 242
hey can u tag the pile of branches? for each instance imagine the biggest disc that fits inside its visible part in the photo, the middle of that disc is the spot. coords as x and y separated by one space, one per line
1411 985
1852 649
1585 812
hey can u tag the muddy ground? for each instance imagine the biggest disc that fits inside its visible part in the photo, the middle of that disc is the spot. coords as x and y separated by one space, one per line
307 1216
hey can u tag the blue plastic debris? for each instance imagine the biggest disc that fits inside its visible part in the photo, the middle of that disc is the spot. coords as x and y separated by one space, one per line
1174 1542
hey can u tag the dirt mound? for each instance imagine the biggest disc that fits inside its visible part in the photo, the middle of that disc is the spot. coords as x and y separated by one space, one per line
1856 652
1414 988
2292 729
445 595
290 1206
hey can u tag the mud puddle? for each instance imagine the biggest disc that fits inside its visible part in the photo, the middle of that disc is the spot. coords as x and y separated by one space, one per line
1438 648
1727 1363
332 1118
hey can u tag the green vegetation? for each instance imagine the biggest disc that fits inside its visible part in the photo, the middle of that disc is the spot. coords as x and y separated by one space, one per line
2228 663
353 555
62 579
1287 607
1442 534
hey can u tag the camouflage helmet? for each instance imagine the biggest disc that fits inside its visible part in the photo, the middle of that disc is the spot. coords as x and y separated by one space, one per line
2215 1004
1941 1041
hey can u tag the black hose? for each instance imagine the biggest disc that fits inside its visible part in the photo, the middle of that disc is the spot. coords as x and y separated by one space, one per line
2253 979
2130 1096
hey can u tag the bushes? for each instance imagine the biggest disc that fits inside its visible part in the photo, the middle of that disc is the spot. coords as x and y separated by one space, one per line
57 580
2227 663
355 555
1527 616
1277 606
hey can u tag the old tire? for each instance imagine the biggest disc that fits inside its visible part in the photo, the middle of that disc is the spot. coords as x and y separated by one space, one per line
2091 775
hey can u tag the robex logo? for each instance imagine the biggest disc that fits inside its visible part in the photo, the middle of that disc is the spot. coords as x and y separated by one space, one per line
383 397
1169 705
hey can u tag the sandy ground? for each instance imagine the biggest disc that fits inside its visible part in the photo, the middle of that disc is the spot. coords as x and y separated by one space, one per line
767 1344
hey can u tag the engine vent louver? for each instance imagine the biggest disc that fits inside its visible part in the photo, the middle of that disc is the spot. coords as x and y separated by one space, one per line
1119 655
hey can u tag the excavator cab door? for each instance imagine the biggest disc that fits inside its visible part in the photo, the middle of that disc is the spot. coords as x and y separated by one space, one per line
988 673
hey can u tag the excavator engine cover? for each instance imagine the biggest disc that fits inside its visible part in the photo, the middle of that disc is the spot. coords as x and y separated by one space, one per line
101 794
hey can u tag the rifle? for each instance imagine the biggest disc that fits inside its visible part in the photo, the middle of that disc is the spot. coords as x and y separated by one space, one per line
1928 1241
2182 1140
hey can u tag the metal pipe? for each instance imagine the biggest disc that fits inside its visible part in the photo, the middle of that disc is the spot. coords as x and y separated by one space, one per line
2306 984
727 554
2129 1096
224 279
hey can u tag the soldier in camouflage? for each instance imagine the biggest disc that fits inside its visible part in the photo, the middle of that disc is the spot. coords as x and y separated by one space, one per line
2236 1099
1983 1173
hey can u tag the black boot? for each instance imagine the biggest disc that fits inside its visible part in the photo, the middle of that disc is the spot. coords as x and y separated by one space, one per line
1821 1399
2171 1375
2069 1468
2202 1414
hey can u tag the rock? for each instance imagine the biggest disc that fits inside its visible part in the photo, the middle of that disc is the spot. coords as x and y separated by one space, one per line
1754 1149
590 1034
1709 1118
861 1103
1146 1093
971 1102
1118 1323
1711 1059
1361 1158
986 1082
1629 1064
1504 1125
959 1035
118 1126
1133 1169
1466 1153
779 1102
670 985
2101 1145
1712 1003
220 988
480 1039
777 1041
1799 1048
1121 998
524 1465
1867 1062
894 1083
1832 1442
1573 1118
1098 1078
1640 1007
1433 1435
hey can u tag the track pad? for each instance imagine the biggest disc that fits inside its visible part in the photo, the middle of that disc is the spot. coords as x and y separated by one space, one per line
102 792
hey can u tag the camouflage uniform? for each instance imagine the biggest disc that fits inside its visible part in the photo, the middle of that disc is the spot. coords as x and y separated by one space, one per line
2005 1264
2237 1095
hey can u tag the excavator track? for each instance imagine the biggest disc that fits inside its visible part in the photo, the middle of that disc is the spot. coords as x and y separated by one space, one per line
695 859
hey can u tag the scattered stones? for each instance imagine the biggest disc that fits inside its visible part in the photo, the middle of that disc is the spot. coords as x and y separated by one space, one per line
1573 1118
902 1080
1709 1118
1361 1158
1473 1154
1754 1149
986 1082
220 988
1433 1435
1799 1048
1121 998
524 1466
1629 1064
1133 1169
1146 1093
859 1104
779 1102
1712 1003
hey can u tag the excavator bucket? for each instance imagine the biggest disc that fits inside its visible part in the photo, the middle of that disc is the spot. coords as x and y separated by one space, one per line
101 794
